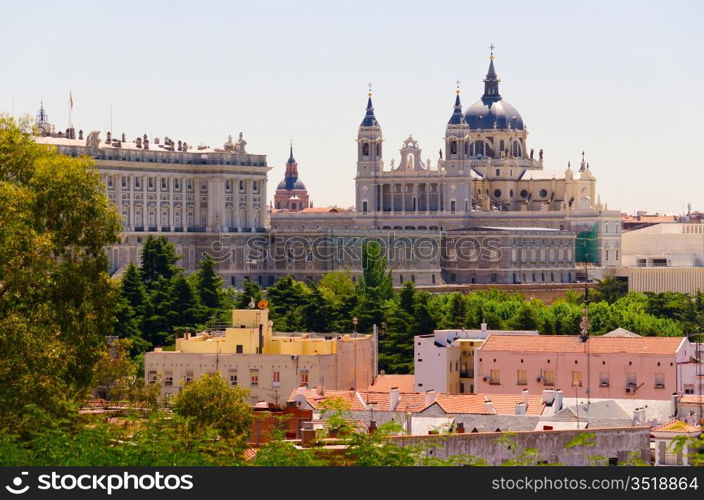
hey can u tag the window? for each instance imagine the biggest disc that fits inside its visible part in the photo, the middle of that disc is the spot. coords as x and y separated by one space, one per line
152 376
254 378
631 379
255 186
238 349
189 377
177 184
241 186
364 206
543 193
576 379
603 379
494 377
137 182
233 377
453 147
276 378
524 193
497 193
189 185
169 378
452 205
304 378
549 377
659 380
365 149
163 183
124 182
151 183
109 181
522 377
689 388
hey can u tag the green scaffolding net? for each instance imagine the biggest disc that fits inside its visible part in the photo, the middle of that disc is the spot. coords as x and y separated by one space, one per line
586 245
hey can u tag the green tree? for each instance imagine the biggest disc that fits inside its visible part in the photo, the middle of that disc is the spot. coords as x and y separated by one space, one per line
376 275
209 283
158 260
526 318
56 298
210 402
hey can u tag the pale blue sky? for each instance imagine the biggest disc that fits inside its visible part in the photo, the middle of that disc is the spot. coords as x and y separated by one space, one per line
622 80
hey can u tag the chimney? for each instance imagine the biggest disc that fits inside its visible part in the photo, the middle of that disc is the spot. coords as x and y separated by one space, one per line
459 429
520 408
394 397
548 396
525 393
639 416
430 397
692 418
557 405
409 420
489 407
307 435
320 390
483 326
675 398
372 427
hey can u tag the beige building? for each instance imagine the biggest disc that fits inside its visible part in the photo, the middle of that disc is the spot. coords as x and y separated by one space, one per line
250 355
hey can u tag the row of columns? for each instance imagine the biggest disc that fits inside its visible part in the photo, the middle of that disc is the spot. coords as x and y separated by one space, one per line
216 216
415 194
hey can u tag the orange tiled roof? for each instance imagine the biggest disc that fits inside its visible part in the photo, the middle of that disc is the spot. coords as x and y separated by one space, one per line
414 402
676 426
384 383
249 453
571 343
505 404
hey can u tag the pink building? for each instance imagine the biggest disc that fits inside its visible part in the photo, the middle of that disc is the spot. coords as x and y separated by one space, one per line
603 367
291 194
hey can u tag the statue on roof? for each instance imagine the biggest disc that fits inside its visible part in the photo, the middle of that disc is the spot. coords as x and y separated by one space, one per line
240 144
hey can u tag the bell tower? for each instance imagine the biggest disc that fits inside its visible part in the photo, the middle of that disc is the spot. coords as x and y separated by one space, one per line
369 160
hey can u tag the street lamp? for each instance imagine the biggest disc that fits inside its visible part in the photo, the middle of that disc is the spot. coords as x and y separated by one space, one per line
354 323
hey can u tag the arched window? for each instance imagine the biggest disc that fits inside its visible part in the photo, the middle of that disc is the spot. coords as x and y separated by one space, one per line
453 147
516 149
365 149
479 148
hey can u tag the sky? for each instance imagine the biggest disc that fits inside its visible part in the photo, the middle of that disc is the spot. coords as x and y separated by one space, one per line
622 81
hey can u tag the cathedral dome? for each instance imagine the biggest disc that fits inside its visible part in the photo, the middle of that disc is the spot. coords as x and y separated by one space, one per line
489 114
492 111
291 183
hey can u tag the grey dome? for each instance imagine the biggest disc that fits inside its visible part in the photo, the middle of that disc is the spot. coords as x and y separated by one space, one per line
289 184
485 113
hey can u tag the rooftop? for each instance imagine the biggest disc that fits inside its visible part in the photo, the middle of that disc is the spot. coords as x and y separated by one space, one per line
572 343
384 383
677 426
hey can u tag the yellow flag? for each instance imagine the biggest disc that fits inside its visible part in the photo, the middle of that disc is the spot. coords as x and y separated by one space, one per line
70 99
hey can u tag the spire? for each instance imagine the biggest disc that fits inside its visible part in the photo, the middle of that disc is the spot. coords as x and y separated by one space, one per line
457 117
291 159
491 82
369 118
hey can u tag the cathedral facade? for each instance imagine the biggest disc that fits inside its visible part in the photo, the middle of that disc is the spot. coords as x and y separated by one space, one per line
487 212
